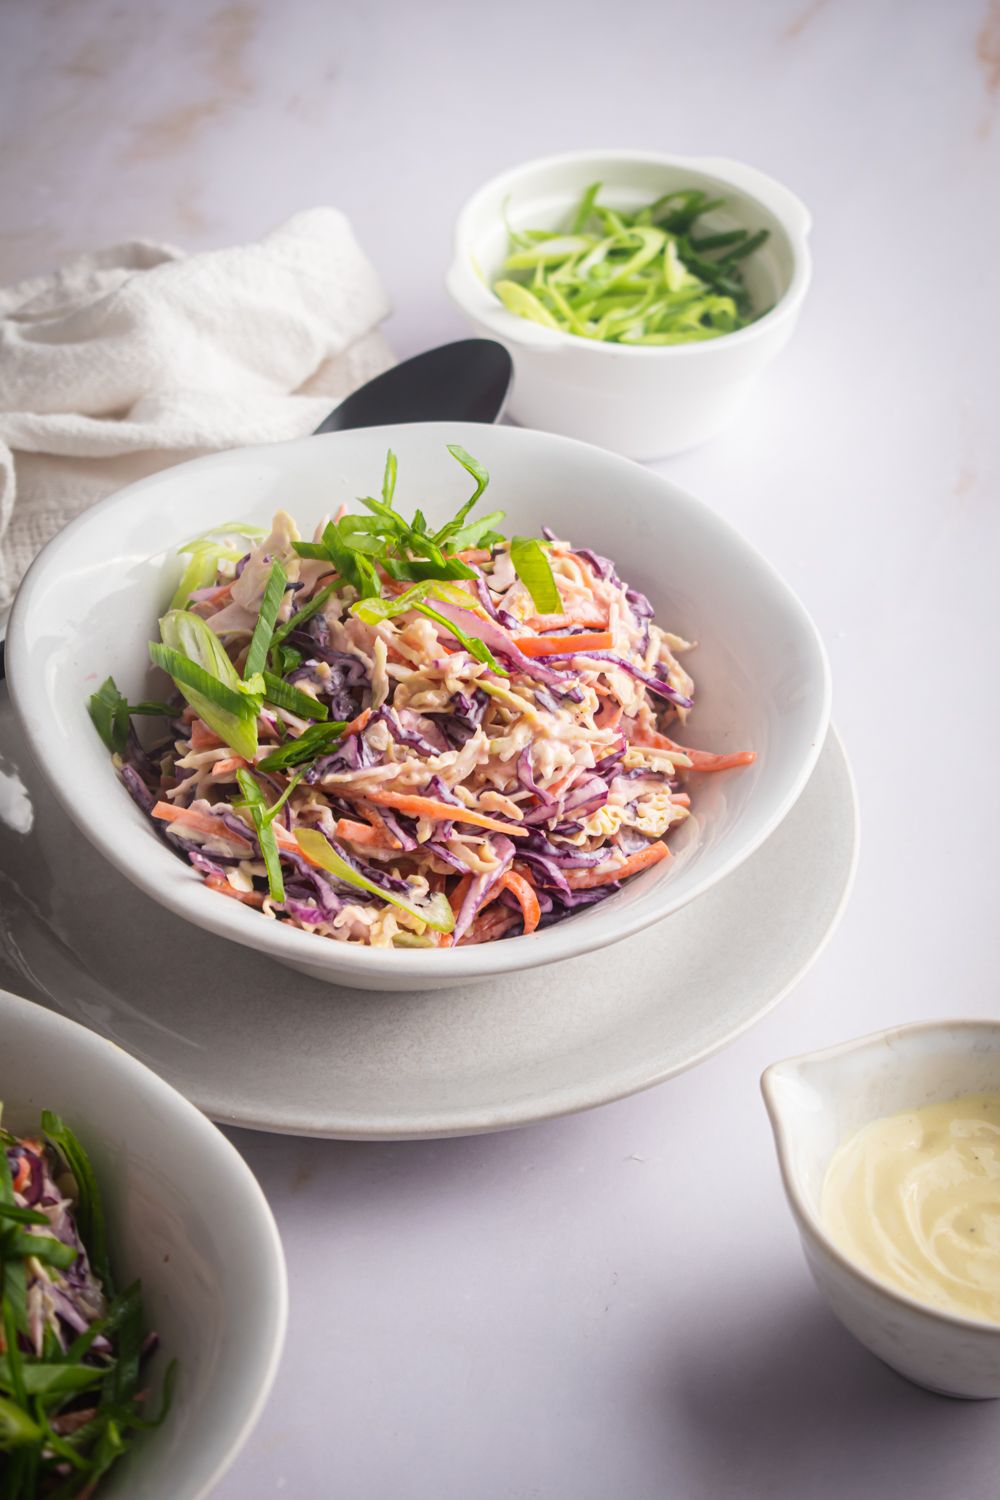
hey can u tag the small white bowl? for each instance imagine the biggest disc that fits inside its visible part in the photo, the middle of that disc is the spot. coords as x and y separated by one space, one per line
185 1215
816 1102
91 599
645 402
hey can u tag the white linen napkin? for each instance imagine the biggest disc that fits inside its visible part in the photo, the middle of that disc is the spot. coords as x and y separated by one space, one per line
138 356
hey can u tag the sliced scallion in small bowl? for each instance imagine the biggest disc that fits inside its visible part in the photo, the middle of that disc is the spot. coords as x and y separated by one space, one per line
645 278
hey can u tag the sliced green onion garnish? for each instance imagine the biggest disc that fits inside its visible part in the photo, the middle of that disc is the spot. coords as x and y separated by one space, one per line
197 661
435 913
256 805
276 806
318 739
472 643
284 695
372 611
227 529
535 572
650 257
305 613
260 644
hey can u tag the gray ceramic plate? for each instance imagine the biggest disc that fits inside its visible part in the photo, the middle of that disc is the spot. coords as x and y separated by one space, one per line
254 1044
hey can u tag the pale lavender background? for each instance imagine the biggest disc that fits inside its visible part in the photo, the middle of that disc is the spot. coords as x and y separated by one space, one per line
615 1305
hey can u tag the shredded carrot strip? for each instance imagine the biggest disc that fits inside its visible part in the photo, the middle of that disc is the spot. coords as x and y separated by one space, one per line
230 763
23 1174
485 929
608 716
475 555
381 827
363 833
356 725
701 760
582 880
200 821
563 645
202 737
527 899
429 807
459 894
562 784
221 884
222 592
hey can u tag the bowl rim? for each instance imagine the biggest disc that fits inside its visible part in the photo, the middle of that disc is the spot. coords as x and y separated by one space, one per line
92 1044
342 961
806 1218
477 300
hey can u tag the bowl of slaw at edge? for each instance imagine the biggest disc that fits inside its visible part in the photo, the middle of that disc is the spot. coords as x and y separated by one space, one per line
91 601
646 402
187 1218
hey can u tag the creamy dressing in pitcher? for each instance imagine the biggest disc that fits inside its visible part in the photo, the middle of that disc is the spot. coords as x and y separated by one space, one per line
914 1199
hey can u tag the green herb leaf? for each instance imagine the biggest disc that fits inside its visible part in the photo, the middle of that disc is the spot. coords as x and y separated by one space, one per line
153 709
535 572
49 1377
109 712
22 1215
16 1427
286 659
318 739
18 1243
314 551
125 1320
260 643
89 1209
473 467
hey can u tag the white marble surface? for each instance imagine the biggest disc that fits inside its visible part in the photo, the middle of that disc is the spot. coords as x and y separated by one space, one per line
615 1305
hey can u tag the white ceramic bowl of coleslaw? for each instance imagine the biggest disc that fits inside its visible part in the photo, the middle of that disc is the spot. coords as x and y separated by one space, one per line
185 1217
91 600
